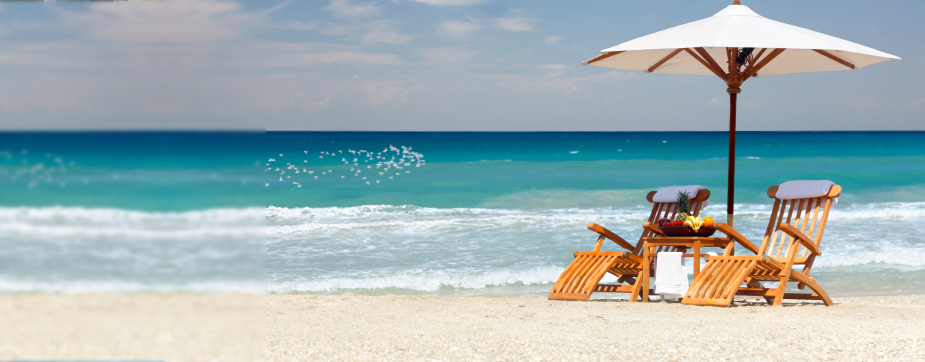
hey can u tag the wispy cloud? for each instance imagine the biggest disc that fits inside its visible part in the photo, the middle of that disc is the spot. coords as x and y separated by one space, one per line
450 2
554 67
451 55
312 59
345 9
134 65
383 93
181 23
279 6
382 32
310 25
457 29
553 40
558 81
513 24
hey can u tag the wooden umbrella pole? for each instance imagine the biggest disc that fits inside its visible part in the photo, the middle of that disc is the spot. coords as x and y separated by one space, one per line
733 93
733 80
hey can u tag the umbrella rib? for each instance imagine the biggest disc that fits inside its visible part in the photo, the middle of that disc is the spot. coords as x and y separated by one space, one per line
773 54
716 68
835 58
705 64
602 57
665 59
752 61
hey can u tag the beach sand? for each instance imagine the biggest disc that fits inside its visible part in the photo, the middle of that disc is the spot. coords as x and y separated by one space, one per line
294 327
399 328
132 327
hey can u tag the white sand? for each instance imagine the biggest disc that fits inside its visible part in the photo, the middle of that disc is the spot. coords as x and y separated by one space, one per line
400 328
184 327
149 327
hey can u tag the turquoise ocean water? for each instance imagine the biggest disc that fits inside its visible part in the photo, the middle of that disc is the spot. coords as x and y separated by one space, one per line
131 211
447 214
501 213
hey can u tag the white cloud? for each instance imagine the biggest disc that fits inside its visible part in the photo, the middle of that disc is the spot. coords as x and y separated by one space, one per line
457 29
513 24
312 59
713 101
344 9
556 81
323 103
553 67
381 32
383 93
449 2
180 22
553 41
298 25
279 6
135 65
451 55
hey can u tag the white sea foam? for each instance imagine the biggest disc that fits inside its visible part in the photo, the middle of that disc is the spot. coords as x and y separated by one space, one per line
128 225
429 281
74 250
431 249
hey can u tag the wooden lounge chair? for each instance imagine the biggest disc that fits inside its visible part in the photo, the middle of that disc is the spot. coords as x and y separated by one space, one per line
792 239
582 276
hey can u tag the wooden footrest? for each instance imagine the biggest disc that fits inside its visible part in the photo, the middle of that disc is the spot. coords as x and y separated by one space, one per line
719 280
580 278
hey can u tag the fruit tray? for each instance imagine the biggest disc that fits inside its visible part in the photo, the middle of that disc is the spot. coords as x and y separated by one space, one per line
687 231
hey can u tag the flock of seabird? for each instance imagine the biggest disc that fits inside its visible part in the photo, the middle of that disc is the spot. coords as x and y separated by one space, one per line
364 166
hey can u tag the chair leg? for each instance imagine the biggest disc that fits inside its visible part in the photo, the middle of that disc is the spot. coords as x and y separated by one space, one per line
637 288
779 298
752 283
821 292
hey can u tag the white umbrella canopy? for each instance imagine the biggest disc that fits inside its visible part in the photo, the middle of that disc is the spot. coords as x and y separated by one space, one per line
737 44
738 27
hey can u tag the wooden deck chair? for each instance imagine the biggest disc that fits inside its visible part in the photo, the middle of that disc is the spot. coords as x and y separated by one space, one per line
582 276
792 239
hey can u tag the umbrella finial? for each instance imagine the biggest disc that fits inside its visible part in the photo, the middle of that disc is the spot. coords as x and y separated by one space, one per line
736 2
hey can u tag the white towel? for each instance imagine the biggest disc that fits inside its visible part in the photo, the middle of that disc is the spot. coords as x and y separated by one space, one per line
670 193
670 275
803 189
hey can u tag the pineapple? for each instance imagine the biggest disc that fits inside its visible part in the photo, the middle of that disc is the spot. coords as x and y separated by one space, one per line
684 207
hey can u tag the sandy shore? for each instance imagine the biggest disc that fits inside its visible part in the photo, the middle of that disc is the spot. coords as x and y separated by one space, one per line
132 327
399 328
185 327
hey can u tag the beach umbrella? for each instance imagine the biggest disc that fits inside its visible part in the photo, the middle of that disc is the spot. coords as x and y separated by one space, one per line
737 44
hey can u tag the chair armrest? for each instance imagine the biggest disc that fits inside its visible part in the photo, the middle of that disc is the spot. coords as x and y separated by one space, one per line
801 237
610 235
652 228
732 233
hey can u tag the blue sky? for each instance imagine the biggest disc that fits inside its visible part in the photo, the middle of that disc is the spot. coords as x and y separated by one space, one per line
422 65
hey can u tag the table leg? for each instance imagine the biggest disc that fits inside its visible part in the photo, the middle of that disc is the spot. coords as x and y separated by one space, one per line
645 273
696 258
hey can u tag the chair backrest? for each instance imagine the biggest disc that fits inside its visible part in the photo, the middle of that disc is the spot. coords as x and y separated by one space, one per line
668 210
808 215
